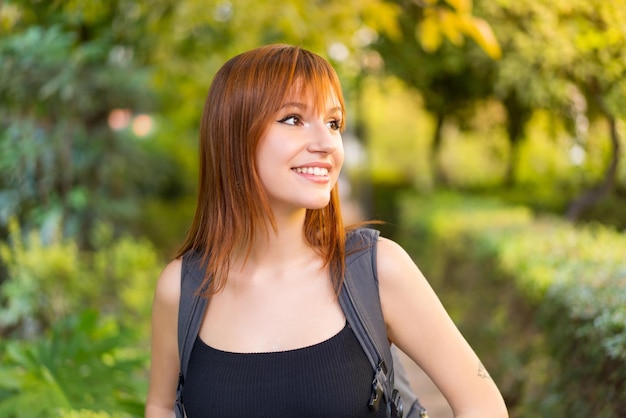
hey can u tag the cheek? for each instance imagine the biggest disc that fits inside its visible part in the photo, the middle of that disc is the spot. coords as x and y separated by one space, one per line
267 151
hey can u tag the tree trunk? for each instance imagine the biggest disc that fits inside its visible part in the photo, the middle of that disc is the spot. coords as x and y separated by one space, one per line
592 196
518 115
439 174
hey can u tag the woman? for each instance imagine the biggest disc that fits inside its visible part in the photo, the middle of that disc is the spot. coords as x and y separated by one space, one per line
274 339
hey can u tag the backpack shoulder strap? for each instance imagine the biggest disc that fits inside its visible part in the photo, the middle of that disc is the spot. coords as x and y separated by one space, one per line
190 313
359 296
360 301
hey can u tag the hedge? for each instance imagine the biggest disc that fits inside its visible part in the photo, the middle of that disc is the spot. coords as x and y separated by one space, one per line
542 301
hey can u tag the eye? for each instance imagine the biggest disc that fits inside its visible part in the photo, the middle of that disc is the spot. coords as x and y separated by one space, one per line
291 120
334 124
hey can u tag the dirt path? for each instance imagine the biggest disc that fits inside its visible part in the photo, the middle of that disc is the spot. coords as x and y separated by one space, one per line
426 390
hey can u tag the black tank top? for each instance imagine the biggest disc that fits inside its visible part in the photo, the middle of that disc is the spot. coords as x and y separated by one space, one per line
329 379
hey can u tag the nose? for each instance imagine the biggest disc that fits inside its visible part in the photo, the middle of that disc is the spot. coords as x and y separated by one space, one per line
324 139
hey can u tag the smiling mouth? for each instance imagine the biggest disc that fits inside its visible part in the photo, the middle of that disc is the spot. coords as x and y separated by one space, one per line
313 171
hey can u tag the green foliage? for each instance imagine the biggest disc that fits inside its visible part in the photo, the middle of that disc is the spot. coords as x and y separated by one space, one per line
84 366
453 23
398 131
87 413
474 156
60 162
50 280
561 43
542 301
127 269
74 325
562 61
44 282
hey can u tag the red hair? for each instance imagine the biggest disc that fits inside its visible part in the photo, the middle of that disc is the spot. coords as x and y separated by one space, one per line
244 96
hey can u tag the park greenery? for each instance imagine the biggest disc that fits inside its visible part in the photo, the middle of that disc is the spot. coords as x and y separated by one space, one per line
520 101
547 305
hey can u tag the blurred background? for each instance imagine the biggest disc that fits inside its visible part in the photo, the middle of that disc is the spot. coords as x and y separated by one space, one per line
489 135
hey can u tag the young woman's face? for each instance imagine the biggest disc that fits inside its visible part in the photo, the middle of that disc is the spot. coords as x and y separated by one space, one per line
299 158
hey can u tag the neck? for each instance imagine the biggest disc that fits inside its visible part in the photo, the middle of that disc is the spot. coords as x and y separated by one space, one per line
285 242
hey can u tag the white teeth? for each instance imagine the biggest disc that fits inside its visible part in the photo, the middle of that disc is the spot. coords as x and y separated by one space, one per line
314 171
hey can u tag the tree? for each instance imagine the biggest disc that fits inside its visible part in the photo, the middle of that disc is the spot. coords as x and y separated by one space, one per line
65 67
431 56
555 52
558 52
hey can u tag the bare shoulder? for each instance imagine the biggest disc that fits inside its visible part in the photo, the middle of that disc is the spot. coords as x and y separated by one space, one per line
164 363
168 285
389 250
404 291
394 264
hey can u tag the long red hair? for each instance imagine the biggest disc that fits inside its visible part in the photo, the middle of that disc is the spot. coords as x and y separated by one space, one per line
243 98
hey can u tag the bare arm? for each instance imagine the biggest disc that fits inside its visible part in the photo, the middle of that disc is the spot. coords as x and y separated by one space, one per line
164 356
420 326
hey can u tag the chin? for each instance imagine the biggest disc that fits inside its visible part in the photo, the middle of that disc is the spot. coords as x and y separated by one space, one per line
319 204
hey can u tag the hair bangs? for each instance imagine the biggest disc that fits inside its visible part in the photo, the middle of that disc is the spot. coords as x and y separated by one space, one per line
313 77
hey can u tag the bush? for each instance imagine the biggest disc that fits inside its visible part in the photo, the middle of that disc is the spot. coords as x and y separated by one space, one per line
74 325
547 310
51 280
84 362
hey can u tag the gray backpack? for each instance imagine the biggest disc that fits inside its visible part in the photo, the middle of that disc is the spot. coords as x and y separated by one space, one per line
360 303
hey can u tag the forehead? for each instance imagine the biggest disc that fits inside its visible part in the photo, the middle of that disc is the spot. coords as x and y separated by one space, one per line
318 95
